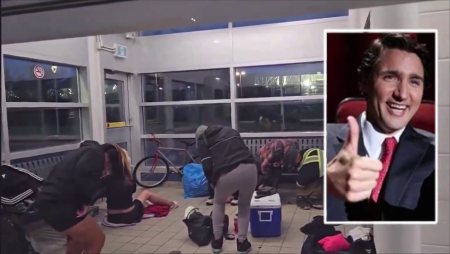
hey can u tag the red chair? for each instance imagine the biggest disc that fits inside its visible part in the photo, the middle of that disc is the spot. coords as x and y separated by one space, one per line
424 118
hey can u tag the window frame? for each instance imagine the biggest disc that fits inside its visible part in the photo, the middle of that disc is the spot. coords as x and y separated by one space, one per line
233 101
81 106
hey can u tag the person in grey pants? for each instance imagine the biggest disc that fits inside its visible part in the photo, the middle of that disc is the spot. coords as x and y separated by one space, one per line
229 167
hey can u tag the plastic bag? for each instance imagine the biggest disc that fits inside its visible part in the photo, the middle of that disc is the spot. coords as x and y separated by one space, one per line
200 228
194 181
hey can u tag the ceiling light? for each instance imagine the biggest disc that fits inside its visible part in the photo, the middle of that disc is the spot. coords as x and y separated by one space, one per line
256 84
217 78
237 84
242 73
193 20
237 73
188 86
160 88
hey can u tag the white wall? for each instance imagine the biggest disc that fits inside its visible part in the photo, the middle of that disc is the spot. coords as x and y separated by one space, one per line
290 42
67 51
436 15
128 65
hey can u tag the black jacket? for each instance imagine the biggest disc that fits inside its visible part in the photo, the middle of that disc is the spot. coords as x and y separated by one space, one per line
76 178
221 150
17 184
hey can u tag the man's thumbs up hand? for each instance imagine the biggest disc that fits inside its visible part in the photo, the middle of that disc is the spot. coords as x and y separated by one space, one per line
349 176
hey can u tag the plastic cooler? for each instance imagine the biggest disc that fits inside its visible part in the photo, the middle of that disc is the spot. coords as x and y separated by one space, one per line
265 216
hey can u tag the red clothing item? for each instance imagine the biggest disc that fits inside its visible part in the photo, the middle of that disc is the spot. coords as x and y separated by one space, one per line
157 210
334 243
389 145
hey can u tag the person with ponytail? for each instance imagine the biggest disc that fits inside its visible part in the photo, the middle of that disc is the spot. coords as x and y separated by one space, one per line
120 187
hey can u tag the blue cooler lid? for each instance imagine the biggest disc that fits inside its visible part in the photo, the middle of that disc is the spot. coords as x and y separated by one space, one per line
272 201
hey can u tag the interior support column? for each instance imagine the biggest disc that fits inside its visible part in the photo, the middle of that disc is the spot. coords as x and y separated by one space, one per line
391 238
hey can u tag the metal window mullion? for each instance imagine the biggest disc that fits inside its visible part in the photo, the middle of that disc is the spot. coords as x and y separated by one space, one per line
282 134
187 103
168 136
278 99
4 122
45 105
232 79
244 135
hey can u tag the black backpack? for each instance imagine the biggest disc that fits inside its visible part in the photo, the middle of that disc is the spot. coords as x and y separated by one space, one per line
13 238
200 228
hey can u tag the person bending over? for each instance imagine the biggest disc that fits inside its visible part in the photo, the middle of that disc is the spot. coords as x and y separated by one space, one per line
68 191
229 167
120 187
277 156
310 179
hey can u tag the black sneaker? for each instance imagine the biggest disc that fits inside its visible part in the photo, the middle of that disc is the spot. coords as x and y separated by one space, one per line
216 245
316 203
303 203
243 247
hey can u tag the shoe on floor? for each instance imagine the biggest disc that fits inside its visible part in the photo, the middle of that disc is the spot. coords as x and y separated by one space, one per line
216 245
303 203
243 247
316 203
210 201
234 202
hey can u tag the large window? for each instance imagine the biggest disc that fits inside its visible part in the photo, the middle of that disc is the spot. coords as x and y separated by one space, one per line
279 80
178 102
258 100
34 81
280 116
43 104
187 86
184 118
37 128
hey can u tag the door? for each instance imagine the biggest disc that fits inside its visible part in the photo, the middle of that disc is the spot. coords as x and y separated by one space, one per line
118 128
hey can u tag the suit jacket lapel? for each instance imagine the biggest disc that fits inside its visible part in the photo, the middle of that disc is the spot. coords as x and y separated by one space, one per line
408 156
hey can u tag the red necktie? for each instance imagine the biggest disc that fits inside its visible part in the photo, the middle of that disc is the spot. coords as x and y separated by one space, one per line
389 145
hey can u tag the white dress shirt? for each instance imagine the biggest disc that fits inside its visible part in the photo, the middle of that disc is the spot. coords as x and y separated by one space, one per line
373 140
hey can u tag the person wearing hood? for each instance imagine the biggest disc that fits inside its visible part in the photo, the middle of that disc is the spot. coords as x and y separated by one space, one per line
229 166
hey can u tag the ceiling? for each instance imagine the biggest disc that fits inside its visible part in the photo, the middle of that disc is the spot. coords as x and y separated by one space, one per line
138 15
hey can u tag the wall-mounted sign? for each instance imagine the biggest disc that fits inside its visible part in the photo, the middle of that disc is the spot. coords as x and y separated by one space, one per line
121 51
38 71
115 125
54 68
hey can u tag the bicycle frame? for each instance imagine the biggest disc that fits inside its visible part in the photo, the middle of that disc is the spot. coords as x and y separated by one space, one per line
173 167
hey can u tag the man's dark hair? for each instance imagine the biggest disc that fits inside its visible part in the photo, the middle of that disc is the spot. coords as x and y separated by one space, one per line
371 57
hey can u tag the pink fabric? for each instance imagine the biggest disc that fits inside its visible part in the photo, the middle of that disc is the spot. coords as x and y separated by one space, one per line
157 210
334 243
389 145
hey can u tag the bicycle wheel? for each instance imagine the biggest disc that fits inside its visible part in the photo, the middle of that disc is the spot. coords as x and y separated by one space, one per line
151 172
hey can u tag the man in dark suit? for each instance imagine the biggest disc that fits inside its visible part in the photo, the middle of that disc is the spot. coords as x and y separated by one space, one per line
379 167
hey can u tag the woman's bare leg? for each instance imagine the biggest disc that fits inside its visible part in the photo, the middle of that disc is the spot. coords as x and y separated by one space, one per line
86 237
155 199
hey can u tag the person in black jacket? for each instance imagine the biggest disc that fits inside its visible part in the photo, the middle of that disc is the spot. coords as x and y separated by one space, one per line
68 191
229 167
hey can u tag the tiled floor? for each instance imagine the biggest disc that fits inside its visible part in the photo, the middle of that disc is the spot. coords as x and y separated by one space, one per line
168 234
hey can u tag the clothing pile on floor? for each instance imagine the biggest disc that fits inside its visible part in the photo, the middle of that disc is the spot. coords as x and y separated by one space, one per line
322 239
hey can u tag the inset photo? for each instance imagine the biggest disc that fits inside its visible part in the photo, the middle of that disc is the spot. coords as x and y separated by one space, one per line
381 124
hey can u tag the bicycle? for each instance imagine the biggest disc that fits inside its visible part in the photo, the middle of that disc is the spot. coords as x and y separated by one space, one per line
149 167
